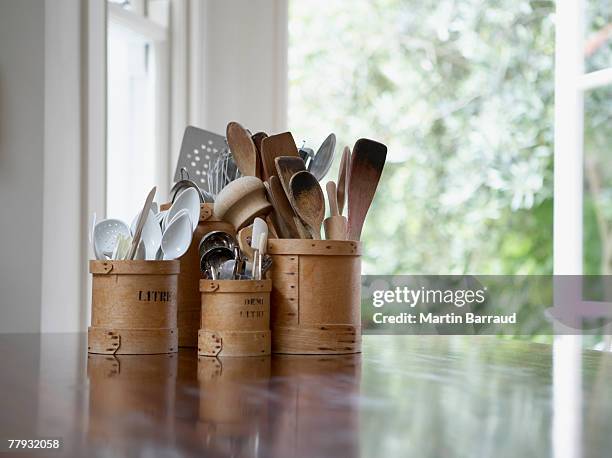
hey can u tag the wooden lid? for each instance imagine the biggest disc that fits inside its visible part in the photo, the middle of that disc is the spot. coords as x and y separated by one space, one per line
314 247
135 267
236 286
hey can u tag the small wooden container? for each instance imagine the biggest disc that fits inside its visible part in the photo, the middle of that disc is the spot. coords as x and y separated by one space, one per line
133 307
316 296
235 318
188 302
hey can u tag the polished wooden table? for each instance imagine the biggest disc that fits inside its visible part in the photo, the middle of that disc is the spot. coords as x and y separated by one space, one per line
425 396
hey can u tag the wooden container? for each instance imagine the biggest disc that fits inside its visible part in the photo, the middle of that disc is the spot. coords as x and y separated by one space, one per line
188 301
316 296
235 318
133 307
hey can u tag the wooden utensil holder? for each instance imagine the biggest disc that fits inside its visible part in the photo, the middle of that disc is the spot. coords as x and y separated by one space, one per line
133 307
316 296
189 305
235 318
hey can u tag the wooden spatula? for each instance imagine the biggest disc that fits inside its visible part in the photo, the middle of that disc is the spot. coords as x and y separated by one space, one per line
242 148
257 139
283 207
273 147
345 163
277 221
367 162
335 224
308 201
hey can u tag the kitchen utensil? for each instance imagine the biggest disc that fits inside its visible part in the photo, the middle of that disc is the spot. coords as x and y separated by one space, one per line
367 162
244 241
141 251
189 200
307 200
151 234
177 237
181 212
335 225
345 164
105 236
141 222
241 201
322 161
199 149
260 229
306 154
243 149
257 139
214 239
211 260
155 208
286 167
273 147
226 270
275 215
261 251
266 263
283 207
272 232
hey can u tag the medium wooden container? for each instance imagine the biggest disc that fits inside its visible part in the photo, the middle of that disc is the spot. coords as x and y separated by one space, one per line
316 296
235 318
133 307
188 302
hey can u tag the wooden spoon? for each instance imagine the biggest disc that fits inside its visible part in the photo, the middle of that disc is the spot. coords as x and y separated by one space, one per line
308 201
286 167
242 148
335 225
283 207
345 164
367 162
273 147
257 139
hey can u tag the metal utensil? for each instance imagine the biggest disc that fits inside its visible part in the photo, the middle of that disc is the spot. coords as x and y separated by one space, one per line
341 190
322 161
211 260
215 239
198 149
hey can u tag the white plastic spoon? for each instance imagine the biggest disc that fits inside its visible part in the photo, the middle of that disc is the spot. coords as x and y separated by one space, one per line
189 200
177 237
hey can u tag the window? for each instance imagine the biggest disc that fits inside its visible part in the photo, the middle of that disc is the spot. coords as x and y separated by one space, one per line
462 94
138 94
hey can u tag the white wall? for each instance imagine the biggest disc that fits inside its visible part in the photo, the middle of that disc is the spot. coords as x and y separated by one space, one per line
245 64
22 35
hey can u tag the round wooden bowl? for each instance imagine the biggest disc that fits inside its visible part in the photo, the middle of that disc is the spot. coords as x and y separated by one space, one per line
241 201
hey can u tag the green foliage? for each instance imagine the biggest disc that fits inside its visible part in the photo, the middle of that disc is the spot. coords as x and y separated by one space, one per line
462 94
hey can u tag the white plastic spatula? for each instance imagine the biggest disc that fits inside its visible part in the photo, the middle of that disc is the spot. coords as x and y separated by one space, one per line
259 228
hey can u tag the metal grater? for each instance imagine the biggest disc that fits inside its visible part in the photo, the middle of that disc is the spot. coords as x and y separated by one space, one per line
200 150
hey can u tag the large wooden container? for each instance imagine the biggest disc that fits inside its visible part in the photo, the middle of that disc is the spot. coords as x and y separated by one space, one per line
235 318
133 307
316 296
188 302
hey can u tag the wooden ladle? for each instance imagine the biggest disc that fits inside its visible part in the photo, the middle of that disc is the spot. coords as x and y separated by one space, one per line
306 197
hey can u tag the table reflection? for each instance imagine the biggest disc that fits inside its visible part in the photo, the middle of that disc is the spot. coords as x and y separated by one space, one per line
427 395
